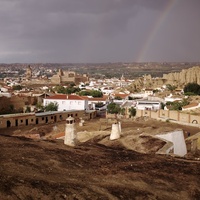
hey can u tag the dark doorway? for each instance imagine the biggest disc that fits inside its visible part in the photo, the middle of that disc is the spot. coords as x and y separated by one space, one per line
8 124
46 119
55 118
26 122
36 121
16 122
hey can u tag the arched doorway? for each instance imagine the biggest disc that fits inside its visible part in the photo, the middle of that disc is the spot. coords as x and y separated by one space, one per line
194 121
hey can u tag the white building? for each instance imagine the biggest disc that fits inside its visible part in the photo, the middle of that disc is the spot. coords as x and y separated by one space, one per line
148 92
148 105
172 98
67 102
107 90
93 101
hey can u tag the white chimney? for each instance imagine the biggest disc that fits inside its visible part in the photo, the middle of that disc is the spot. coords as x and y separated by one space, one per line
115 132
70 135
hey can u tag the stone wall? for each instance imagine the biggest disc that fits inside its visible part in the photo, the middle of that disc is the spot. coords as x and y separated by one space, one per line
26 119
170 115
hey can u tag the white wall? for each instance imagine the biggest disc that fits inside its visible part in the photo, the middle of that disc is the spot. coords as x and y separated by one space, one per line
177 138
64 104
143 105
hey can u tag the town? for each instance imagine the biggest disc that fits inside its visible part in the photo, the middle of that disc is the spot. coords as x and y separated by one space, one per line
38 90
61 110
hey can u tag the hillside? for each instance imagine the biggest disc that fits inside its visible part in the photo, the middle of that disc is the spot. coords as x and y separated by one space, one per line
95 169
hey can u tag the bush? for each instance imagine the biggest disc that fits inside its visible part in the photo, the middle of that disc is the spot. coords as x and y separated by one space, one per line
132 111
51 107
93 93
113 108
192 88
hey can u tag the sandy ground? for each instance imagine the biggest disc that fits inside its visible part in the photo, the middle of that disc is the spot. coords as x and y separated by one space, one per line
97 168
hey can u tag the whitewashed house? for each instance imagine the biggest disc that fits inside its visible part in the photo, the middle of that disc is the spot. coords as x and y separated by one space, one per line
107 90
148 92
148 105
93 101
67 102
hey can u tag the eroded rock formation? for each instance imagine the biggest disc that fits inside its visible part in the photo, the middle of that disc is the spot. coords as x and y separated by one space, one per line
191 75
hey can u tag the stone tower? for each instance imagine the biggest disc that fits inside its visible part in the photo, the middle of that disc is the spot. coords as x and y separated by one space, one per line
70 135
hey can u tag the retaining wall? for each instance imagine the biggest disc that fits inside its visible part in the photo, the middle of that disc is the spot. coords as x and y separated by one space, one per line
170 115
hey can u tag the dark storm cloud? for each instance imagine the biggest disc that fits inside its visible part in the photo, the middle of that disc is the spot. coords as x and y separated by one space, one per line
76 30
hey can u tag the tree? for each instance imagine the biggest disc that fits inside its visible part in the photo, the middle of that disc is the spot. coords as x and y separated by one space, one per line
96 93
162 105
171 87
93 93
51 106
66 90
60 89
28 109
132 111
122 111
84 93
192 89
177 105
113 108
39 106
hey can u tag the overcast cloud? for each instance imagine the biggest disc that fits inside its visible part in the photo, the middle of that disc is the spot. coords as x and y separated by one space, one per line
99 30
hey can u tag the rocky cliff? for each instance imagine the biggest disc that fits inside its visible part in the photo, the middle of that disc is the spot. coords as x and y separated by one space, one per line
191 75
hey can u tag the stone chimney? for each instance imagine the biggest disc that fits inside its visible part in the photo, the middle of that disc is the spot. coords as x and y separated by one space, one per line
115 132
70 135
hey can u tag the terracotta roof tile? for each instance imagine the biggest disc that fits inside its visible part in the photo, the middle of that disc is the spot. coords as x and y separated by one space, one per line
191 105
65 97
121 95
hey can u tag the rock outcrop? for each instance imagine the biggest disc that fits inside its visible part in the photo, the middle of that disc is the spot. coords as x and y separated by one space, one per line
191 75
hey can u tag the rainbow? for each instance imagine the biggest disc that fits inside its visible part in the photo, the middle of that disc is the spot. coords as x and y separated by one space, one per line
169 6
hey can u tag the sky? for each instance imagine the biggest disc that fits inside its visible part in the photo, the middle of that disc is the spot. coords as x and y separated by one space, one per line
99 31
